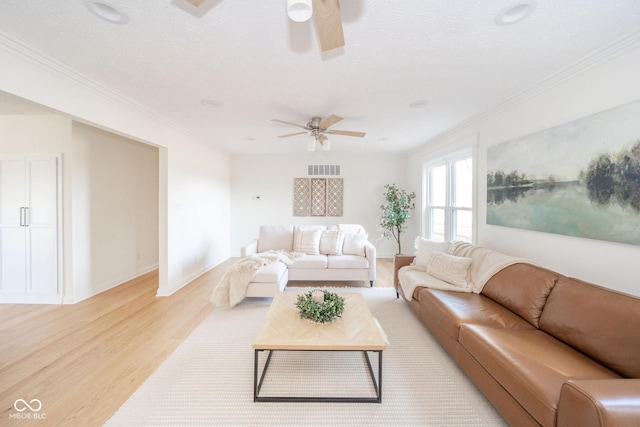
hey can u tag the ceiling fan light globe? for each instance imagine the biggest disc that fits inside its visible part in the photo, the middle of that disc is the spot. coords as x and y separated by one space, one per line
299 10
326 145
311 144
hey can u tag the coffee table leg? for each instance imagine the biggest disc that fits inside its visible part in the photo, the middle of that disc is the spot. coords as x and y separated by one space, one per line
255 375
258 385
376 385
380 376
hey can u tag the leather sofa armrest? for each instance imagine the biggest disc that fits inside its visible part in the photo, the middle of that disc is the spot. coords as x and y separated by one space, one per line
605 402
250 248
370 255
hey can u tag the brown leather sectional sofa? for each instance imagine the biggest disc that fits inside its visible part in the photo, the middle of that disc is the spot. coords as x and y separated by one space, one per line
545 349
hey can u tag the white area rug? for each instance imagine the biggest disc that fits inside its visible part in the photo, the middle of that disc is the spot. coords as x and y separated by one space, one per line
208 380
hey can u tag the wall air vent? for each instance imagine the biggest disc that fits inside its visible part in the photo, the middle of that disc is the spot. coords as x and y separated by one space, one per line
326 170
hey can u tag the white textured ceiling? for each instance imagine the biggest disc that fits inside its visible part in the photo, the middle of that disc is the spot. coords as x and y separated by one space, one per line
248 57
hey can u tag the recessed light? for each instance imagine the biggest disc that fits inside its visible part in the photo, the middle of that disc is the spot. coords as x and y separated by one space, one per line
419 104
516 12
103 9
210 103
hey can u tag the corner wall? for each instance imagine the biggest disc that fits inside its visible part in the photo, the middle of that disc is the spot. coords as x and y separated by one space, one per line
608 85
115 210
34 76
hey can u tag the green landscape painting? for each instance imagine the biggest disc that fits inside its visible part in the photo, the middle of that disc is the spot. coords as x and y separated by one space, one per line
580 179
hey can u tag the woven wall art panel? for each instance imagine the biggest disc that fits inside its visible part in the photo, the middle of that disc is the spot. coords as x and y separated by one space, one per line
318 196
301 196
334 196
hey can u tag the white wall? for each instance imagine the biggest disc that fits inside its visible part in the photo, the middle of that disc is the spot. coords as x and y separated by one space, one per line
271 178
198 206
115 210
606 86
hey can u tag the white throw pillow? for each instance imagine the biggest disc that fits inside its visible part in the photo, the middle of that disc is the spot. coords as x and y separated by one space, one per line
275 237
450 268
331 242
424 248
354 243
307 241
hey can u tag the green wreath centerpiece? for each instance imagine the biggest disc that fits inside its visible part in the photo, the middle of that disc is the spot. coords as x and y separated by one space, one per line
325 311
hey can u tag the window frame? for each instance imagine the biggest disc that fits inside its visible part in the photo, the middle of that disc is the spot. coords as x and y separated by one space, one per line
450 216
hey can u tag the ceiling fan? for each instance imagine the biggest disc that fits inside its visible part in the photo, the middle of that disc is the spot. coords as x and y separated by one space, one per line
326 14
317 129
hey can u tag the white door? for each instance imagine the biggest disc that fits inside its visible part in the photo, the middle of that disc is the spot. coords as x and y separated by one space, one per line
29 230
13 243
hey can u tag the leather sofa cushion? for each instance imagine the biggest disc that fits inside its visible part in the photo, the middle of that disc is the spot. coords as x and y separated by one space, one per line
347 261
270 273
453 309
274 237
530 365
310 261
599 322
523 289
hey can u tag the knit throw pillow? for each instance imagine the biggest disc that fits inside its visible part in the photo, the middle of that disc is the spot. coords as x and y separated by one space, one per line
307 241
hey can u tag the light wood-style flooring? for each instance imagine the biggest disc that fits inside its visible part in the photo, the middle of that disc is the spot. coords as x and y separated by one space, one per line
83 361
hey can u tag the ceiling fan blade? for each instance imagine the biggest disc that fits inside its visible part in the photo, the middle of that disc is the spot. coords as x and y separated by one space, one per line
291 134
288 123
347 133
330 121
196 3
329 23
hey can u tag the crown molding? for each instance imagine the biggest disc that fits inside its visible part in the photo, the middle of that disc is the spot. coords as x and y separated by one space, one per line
27 52
606 53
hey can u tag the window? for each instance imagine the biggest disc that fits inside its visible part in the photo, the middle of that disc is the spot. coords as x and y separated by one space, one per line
448 212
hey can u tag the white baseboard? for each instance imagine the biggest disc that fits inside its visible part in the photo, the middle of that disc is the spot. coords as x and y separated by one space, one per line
186 280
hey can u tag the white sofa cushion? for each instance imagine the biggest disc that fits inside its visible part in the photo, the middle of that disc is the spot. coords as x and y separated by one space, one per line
275 237
310 261
352 228
270 273
331 242
354 244
347 261
424 247
307 241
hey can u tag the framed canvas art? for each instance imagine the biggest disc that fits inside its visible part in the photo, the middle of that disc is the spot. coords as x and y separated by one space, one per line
580 178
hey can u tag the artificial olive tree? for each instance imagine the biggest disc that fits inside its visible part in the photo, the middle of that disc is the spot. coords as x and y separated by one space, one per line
396 212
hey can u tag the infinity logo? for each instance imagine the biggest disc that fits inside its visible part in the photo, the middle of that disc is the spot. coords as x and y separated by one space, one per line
21 405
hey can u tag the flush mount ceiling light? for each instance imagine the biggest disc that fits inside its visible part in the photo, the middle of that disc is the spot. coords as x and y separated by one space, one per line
299 10
419 104
209 103
104 10
516 12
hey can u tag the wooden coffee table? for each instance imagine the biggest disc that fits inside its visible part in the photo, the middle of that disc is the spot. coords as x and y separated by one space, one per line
284 330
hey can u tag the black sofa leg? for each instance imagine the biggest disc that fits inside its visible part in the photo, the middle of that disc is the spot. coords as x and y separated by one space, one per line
371 281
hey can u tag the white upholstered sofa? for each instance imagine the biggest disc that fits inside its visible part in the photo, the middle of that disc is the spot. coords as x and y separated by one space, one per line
335 252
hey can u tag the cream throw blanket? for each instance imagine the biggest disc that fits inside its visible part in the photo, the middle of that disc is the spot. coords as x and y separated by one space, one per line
485 263
232 287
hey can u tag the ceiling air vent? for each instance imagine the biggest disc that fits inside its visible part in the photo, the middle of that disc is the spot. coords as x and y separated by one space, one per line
330 170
